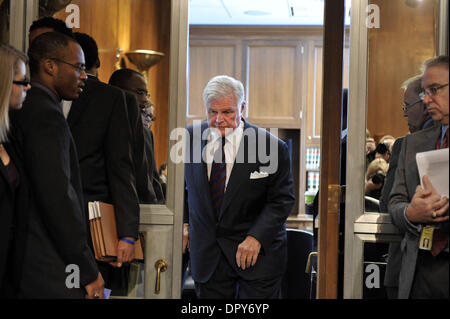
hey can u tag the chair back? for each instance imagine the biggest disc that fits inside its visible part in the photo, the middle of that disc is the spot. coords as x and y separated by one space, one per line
296 283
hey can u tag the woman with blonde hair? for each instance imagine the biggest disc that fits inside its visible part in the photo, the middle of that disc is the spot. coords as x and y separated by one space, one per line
13 191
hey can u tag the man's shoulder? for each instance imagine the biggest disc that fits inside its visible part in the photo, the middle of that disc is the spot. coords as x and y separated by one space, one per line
97 87
38 102
422 134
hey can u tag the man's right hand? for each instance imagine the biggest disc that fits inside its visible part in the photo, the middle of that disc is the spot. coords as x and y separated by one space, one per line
185 237
425 203
95 289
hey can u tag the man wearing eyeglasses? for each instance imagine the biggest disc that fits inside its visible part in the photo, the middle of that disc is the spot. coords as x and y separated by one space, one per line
98 121
418 119
419 212
57 231
135 83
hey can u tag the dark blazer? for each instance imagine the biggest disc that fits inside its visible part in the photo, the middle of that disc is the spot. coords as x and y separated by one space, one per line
406 180
394 254
57 229
144 186
100 128
256 207
152 170
14 208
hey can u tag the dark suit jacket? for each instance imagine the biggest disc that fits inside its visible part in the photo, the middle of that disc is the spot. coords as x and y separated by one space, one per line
256 207
152 170
14 209
100 127
144 186
406 180
395 254
57 235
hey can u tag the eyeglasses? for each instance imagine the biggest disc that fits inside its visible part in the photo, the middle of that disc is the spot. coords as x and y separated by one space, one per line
141 92
79 67
405 107
431 91
23 83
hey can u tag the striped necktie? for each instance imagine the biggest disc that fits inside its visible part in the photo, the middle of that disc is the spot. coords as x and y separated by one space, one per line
217 178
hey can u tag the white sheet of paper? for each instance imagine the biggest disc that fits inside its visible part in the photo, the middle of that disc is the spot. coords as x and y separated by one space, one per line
435 165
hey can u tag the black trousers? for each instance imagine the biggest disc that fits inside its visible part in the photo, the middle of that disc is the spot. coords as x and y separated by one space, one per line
115 279
226 284
431 276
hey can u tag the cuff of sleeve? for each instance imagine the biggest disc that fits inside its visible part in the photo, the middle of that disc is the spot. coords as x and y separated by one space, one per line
417 228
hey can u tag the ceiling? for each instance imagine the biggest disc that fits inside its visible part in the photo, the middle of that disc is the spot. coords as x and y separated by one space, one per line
257 12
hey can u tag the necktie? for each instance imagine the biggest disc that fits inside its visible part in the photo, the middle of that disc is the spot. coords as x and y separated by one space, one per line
440 239
217 178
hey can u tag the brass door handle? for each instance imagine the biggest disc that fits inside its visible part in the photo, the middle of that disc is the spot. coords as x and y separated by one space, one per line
161 266
308 263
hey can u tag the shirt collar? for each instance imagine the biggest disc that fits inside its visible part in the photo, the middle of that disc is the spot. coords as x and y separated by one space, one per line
214 135
444 129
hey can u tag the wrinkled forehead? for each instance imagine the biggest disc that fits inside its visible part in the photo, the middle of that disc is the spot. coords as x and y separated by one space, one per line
435 75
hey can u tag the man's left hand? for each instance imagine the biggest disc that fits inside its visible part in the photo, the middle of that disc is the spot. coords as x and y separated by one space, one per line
125 253
247 252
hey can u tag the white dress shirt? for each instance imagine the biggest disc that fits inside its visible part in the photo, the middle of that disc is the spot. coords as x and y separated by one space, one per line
232 142
66 105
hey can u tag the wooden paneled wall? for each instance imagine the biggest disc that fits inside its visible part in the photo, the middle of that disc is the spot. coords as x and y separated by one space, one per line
132 25
406 37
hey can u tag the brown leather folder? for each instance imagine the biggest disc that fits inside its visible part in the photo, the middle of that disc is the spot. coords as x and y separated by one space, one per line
103 228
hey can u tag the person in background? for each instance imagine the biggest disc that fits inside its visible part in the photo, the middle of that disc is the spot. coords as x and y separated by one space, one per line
99 122
47 24
416 113
13 183
375 175
135 83
421 212
57 230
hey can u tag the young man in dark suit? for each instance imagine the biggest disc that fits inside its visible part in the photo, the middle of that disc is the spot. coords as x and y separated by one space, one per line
57 238
98 121
100 124
238 200
132 82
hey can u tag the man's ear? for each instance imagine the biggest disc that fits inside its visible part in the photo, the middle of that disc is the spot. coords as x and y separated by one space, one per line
49 67
243 108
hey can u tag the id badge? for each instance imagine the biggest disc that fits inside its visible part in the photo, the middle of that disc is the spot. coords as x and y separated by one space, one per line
426 238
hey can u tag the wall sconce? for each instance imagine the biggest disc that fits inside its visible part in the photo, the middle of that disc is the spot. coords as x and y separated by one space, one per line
144 59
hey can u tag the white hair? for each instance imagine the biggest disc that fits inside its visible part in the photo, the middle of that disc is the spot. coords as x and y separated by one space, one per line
221 86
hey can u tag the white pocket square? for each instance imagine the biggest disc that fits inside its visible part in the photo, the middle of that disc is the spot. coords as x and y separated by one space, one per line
256 175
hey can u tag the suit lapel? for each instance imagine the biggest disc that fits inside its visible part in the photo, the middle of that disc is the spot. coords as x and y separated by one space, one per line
427 143
239 172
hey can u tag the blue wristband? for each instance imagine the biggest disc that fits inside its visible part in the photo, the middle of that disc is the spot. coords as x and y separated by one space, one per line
127 241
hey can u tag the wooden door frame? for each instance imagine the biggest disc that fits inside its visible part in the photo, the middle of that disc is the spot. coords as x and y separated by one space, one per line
333 46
